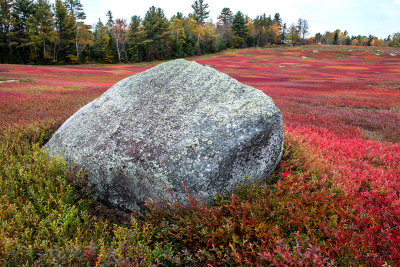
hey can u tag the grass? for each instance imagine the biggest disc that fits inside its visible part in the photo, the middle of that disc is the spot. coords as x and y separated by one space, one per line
333 200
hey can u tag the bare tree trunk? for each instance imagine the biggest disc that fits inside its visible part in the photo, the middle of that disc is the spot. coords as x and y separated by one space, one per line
125 53
55 53
77 46
44 50
119 52
10 49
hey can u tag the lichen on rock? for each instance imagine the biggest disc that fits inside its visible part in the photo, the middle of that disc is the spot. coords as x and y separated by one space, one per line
177 122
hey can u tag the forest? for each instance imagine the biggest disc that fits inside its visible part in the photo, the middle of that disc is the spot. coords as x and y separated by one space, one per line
39 32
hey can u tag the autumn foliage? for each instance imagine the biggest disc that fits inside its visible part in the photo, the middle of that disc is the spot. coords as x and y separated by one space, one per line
333 200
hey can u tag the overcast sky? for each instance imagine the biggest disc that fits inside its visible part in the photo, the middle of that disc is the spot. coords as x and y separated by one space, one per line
376 17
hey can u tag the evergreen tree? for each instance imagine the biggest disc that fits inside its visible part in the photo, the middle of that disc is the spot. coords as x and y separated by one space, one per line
336 38
110 24
76 9
66 28
22 10
40 28
226 16
136 39
178 37
224 26
101 42
199 11
262 26
239 30
277 19
6 24
178 15
263 21
110 21
156 28
371 38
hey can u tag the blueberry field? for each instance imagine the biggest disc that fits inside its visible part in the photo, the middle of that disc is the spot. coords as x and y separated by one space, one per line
333 200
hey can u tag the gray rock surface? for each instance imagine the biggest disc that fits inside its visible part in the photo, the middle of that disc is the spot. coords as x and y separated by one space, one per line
179 121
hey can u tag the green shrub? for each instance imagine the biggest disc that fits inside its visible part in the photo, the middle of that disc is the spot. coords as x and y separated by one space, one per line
38 209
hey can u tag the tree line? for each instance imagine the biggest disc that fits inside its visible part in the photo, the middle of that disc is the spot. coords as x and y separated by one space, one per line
36 31
342 38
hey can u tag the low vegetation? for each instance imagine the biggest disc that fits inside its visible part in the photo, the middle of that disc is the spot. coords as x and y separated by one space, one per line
333 200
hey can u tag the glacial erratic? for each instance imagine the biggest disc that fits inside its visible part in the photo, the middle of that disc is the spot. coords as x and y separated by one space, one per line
177 122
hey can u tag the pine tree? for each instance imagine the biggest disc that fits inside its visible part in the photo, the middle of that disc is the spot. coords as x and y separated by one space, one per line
156 28
66 29
224 26
178 15
277 19
76 9
40 27
263 21
136 39
226 16
262 27
110 21
6 24
371 38
178 37
336 38
239 30
22 10
199 11
110 24
101 42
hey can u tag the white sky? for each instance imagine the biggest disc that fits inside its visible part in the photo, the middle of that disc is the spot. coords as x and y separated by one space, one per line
376 17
